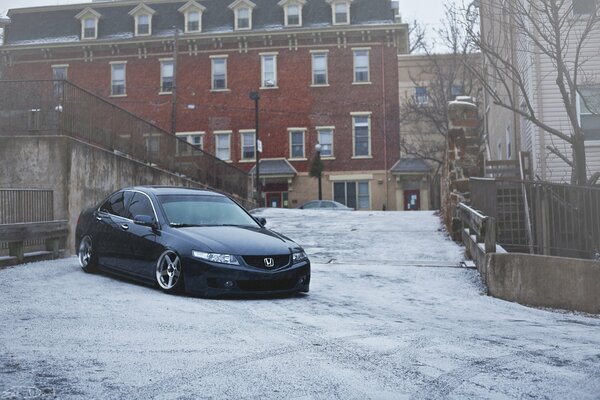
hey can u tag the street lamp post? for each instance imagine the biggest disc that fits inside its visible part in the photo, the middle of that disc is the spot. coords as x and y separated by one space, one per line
256 96
318 157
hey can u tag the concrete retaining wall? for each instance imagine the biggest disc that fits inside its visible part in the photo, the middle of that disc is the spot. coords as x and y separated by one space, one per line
544 281
80 175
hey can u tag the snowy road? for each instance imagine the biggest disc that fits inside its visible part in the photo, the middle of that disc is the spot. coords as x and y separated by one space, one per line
389 316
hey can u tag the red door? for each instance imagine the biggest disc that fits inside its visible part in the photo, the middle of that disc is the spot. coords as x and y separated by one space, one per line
412 200
274 200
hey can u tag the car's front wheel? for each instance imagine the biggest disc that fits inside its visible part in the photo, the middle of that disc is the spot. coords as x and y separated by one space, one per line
168 272
88 259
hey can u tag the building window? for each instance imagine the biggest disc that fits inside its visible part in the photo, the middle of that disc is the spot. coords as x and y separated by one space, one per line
166 76
269 70
325 137
293 15
361 66
89 23
117 79
59 73
193 21
248 145
219 72
340 11
142 15
589 112
352 194
189 141
143 25
584 7
421 97
319 69
297 143
223 146
192 12
361 124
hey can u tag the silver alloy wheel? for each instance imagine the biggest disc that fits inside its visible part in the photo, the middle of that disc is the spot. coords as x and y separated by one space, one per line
85 252
168 270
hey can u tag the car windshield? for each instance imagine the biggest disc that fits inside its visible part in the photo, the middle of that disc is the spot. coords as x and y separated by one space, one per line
204 210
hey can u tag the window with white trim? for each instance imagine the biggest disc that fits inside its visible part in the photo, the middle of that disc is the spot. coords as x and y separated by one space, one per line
361 66
294 16
192 21
219 72
325 138
59 73
248 142
142 25
166 76
192 12
189 142
319 69
269 70
90 28
297 143
361 127
340 10
354 194
588 106
421 96
223 146
117 78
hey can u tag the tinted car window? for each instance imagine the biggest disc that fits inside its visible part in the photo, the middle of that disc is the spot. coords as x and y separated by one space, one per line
204 210
311 204
140 205
116 204
327 204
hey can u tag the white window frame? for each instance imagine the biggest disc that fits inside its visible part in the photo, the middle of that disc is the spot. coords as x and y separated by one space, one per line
137 24
217 135
84 28
362 114
355 52
320 130
187 9
162 62
86 15
189 138
334 4
188 21
212 72
421 100
320 53
263 80
581 112
356 181
113 64
286 4
139 11
60 66
291 132
237 6
244 133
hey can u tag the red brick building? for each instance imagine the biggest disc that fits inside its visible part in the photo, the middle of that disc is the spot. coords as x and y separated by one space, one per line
326 72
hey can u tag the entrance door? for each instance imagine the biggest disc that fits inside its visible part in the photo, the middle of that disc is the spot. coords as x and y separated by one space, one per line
274 200
412 200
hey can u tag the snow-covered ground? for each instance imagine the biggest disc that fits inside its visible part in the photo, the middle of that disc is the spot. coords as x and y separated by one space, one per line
389 316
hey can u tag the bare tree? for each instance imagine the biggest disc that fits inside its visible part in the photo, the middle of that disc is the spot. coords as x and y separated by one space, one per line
516 31
416 35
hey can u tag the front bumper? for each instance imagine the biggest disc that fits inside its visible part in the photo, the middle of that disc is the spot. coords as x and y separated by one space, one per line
212 279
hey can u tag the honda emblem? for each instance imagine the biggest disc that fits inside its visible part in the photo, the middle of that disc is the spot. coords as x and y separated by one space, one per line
269 262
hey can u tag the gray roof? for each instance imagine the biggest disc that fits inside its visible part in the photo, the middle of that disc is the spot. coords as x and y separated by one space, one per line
411 165
57 24
275 168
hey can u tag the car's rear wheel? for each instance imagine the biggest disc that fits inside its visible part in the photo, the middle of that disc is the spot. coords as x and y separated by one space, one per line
88 259
168 272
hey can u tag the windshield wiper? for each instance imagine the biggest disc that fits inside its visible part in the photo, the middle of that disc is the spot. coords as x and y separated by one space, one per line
182 225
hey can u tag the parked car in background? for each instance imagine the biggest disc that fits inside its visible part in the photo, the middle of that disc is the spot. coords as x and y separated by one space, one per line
188 239
324 205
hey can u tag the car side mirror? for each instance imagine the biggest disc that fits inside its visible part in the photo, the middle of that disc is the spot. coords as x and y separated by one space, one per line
145 220
262 221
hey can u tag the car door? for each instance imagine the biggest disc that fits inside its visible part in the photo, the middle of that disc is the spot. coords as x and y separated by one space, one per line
144 248
110 241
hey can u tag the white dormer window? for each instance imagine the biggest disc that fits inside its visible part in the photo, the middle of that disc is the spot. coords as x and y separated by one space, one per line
292 11
242 10
89 23
192 12
340 10
142 15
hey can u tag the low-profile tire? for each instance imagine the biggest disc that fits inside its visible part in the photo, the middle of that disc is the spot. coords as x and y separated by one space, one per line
169 273
88 259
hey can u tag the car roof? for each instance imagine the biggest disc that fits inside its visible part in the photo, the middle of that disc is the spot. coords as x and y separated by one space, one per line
162 190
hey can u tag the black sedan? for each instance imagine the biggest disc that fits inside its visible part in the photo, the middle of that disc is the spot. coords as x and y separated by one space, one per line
188 239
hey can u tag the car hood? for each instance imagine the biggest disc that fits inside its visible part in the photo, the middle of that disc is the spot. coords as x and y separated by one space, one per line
238 240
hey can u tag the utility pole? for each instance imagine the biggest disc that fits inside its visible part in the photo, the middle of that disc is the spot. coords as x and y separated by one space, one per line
256 96
174 90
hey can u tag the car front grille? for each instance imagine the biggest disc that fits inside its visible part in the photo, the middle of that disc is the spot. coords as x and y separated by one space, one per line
267 286
259 261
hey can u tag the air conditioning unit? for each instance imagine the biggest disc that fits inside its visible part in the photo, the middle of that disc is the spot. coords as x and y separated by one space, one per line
269 83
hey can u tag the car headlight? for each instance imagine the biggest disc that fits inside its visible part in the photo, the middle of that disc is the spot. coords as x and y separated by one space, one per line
217 258
299 256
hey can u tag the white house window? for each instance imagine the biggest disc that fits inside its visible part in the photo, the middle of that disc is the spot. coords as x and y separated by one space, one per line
248 142
142 16
117 78
89 23
340 10
192 12
361 66
361 126
421 97
166 76
59 73
325 137
269 70
589 112
354 194
242 11
584 7
293 15
319 69
243 18
189 141
297 143
223 146
219 72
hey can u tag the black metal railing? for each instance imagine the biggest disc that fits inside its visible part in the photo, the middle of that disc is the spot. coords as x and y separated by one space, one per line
61 108
559 219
